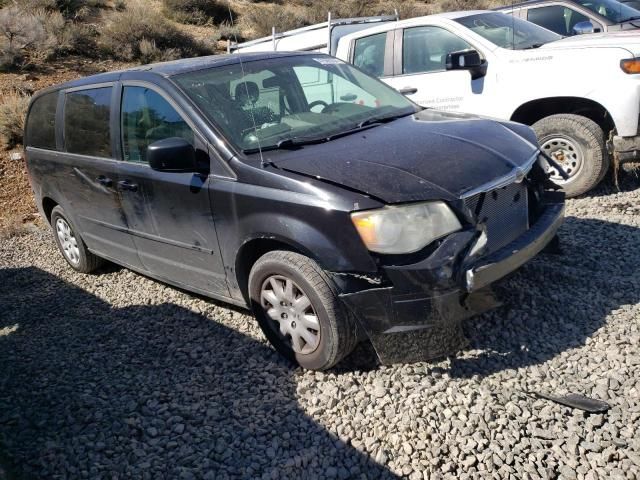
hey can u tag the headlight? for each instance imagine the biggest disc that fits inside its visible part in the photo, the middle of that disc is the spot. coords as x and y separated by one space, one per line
406 228
632 65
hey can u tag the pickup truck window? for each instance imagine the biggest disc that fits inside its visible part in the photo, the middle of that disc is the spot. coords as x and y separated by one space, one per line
506 31
425 49
41 125
556 18
86 122
368 53
146 118
612 10
316 98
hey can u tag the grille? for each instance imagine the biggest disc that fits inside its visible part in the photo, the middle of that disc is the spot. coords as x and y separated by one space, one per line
504 212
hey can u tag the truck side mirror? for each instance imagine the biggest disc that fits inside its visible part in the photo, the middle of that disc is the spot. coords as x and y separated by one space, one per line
467 60
172 155
582 28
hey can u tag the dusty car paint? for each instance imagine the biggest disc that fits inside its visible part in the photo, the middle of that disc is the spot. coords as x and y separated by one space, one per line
203 230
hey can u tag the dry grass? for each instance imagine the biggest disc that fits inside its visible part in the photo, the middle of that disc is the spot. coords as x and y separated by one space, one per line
13 226
199 12
13 108
144 34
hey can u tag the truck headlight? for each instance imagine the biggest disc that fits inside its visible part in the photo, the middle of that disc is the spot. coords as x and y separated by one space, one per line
405 228
631 65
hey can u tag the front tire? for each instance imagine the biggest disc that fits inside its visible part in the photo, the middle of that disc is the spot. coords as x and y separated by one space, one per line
578 145
71 245
299 311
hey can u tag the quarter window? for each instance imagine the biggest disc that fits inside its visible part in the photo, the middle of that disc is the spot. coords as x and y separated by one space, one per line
368 53
556 18
146 118
425 49
86 122
41 125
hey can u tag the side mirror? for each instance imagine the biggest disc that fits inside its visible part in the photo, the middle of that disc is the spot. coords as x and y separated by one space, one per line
467 60
172 155
582 28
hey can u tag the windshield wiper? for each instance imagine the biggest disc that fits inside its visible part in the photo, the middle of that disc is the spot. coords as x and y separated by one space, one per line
301 141
288 143
532 46
630 19
381 120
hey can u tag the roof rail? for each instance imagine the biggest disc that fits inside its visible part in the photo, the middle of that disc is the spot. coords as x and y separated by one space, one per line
330 23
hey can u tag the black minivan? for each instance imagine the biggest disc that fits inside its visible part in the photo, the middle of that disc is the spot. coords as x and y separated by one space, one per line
298 186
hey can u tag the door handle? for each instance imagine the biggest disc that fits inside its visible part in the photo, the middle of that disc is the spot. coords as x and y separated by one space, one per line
408 90
102 180
127 185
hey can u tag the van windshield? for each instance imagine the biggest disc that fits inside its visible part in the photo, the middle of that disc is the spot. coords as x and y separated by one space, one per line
506 31
270 103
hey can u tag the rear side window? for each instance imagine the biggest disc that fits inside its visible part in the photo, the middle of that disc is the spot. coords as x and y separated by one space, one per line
86 122
368 54
41 124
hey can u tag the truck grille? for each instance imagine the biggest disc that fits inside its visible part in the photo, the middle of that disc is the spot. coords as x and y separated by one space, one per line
504 212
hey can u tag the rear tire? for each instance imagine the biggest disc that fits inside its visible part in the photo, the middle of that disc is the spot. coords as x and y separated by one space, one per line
317 336
578 145
71 245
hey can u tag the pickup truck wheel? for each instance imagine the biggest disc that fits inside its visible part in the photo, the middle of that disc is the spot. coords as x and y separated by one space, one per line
299 311
71 245
577 144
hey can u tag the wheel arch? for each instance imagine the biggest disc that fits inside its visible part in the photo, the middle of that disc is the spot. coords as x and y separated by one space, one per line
251 250
48 204
535 110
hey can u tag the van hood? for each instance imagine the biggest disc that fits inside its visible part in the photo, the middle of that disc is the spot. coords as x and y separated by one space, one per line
431 155
627 40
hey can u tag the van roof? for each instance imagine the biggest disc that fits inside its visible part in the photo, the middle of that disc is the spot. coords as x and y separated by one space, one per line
176 67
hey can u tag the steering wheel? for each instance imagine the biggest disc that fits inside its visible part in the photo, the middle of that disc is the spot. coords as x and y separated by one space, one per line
318 102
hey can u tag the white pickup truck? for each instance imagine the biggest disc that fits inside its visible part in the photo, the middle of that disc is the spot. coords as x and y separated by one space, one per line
581 94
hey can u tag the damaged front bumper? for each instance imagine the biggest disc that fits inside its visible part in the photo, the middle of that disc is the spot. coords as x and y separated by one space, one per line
416 311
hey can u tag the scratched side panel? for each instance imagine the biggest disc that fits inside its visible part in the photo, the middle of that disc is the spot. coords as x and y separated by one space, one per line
95 209
171 222
310 216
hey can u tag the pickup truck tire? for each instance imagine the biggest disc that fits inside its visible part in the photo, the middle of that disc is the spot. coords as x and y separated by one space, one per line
71 245
290 295
578 144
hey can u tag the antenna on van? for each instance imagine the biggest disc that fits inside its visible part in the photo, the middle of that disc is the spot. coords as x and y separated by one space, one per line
513 26
253 119
328 33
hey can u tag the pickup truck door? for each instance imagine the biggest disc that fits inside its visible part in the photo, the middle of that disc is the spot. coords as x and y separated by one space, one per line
419 67
169 213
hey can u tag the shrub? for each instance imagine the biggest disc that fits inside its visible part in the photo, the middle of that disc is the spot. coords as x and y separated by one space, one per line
226 31
13 109
197 11
150 53
13 226
22 34
259 19
124 32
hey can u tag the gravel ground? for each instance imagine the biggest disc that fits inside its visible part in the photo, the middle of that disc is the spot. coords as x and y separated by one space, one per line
117 376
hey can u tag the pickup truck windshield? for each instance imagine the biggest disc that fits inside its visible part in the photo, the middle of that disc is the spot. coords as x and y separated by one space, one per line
286 101
616 12
506 31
